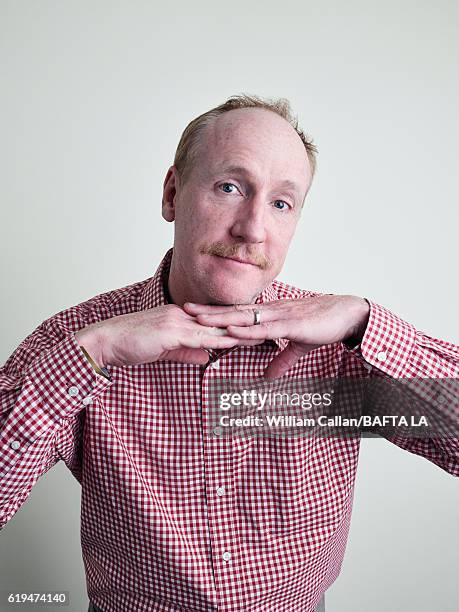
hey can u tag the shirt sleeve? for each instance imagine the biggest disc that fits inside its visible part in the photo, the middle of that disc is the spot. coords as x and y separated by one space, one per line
392 347
44 387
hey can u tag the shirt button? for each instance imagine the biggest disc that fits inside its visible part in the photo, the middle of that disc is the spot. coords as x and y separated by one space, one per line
441 399
226 556
218 430
367 367
381 356
215 365
220 491
15 445
73 391
87 400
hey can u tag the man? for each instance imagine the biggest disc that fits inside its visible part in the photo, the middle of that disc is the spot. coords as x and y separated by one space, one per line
175 515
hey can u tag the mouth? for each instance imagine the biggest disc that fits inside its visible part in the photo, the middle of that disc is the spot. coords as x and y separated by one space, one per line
238 260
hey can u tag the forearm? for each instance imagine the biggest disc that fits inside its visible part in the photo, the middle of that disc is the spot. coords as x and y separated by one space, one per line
425 366
38 394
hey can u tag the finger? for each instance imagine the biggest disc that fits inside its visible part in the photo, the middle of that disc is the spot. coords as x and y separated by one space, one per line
284 361
195 356
197 329
185 316
220 342
246 310
236 317
195 309
200 336
199 356
211 330
267 331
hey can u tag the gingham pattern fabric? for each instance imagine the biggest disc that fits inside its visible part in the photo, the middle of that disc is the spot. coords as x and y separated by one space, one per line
172 517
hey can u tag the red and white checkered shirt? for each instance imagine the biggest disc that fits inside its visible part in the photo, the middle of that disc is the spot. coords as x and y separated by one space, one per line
172 517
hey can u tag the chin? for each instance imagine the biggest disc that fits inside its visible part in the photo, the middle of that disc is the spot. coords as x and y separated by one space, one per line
229 282
230 293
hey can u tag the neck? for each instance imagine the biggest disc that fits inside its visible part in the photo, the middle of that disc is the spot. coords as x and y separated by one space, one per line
176 288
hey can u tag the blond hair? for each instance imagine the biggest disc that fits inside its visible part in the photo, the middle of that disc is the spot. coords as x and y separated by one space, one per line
189 141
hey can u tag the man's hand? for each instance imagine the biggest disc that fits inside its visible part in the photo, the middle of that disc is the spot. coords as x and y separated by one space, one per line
308 323
166 332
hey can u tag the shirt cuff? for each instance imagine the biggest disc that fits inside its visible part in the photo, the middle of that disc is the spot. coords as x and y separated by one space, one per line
388 342
57 385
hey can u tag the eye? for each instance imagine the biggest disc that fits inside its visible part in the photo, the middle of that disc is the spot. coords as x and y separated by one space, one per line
281 205
228 187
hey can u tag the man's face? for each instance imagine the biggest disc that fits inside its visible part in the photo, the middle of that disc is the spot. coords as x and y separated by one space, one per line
237 210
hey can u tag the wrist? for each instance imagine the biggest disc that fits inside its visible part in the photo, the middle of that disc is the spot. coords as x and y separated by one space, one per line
360 316
91 341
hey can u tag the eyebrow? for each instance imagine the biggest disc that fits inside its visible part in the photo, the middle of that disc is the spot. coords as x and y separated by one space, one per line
286 184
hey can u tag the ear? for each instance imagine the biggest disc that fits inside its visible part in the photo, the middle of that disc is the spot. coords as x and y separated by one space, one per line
170 187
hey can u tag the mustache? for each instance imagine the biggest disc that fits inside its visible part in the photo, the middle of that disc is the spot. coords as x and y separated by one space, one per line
236 250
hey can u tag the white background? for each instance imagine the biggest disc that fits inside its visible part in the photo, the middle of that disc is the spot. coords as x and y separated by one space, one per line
95 97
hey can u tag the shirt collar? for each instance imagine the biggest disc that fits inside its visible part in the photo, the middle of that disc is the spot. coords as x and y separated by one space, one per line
154 292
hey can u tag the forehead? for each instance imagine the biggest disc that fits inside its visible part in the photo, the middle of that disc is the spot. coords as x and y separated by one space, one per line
256 139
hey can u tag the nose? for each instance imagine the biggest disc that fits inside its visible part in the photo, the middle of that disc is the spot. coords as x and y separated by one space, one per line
250 223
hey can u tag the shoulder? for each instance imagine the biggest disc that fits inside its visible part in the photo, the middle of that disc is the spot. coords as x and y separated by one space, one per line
57 327
115 302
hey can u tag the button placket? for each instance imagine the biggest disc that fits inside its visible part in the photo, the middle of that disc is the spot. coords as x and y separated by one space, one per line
219 511
218 459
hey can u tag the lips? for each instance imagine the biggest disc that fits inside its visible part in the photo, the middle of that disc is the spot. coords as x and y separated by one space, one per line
238 260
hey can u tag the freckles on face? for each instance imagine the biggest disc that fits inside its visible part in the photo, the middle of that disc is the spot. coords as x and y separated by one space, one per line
220 266
196 220
238 210
230 224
